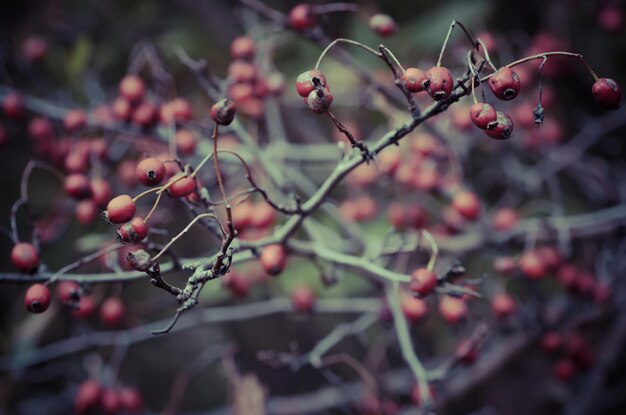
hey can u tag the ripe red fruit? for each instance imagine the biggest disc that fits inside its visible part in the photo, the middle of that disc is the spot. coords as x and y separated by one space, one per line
504 83
74 120
132 88
414 309
263 215
182 187
532 266
452 309
25 257
131 400
134 231
145 115
112 312
439 83
87 397
34 49
503 129
68 292
466 352
383 24
78 186
223 111
504 265
319 100
150 171
302 17
101 192
13 105
40 129
602 293
121 108
482 114
303 298
237 283
85 307
186 142
242 215
273 259
551 342
242 47
564 370
414 79
503 305
423 281
466 204
241 71
37 298
120 209
504 219
110 401
608 93
308 81
611 17
567 276
176 110
77 161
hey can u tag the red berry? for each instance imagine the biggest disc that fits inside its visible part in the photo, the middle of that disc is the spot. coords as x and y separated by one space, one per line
423 281
112 312
414 309
466 204
263 215
182 187
302 17
25 257
223 111
77 161
551 342
602 293
78 186
608 93
466 352
131 400
439 83
186 142
101 192
319 100
74 120
414 79
132 88
13 105
611 17
452 309
134 231
40 129
504 219
120 209
87 397
503 305
504 83
37 298
242 47
482 114
176 110
383 24
34 49
303 298
145 115
122 109
85 307
567 276
564 370
150 171
273 259
242 215
238 285
68 292
308 81
110 401
503 128
504 265
532 266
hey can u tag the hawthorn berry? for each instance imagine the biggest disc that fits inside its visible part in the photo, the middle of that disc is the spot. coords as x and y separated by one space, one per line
439 83
241 71
383 24
37 298
131 400
503 128
182 187
34 49
504 265
68 293
273 259
87 397
423 281
303 298
13 105
134 231
186 142
110 402
414 79
263 215
504 83
242 215
466 352
150 172
120 209
85 307
308 81
482 115
121 109
112 312
238 285
551 342
223 111
532 265
242 47
564 370
503 305
466 204
145 115
74 120
101 192
414 309
504 219
78 186
319 100
302 17
452 309
25 257
132 88
608 93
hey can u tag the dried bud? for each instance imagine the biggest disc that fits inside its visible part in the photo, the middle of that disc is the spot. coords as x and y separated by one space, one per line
140 260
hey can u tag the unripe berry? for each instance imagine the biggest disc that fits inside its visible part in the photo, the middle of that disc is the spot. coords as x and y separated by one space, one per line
608 93
132 88
503 129
25 257
439 83
182 187
423 281
112 312
383 24
134 231
120 209
452 309
319 100
78 186
503 305
532 266
482 114
414 79
504 83
308 81
68 293
37 298
87 397
414 309
302 17
223 111
466 204
273 259
131 400
150 172
242 47
303 298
